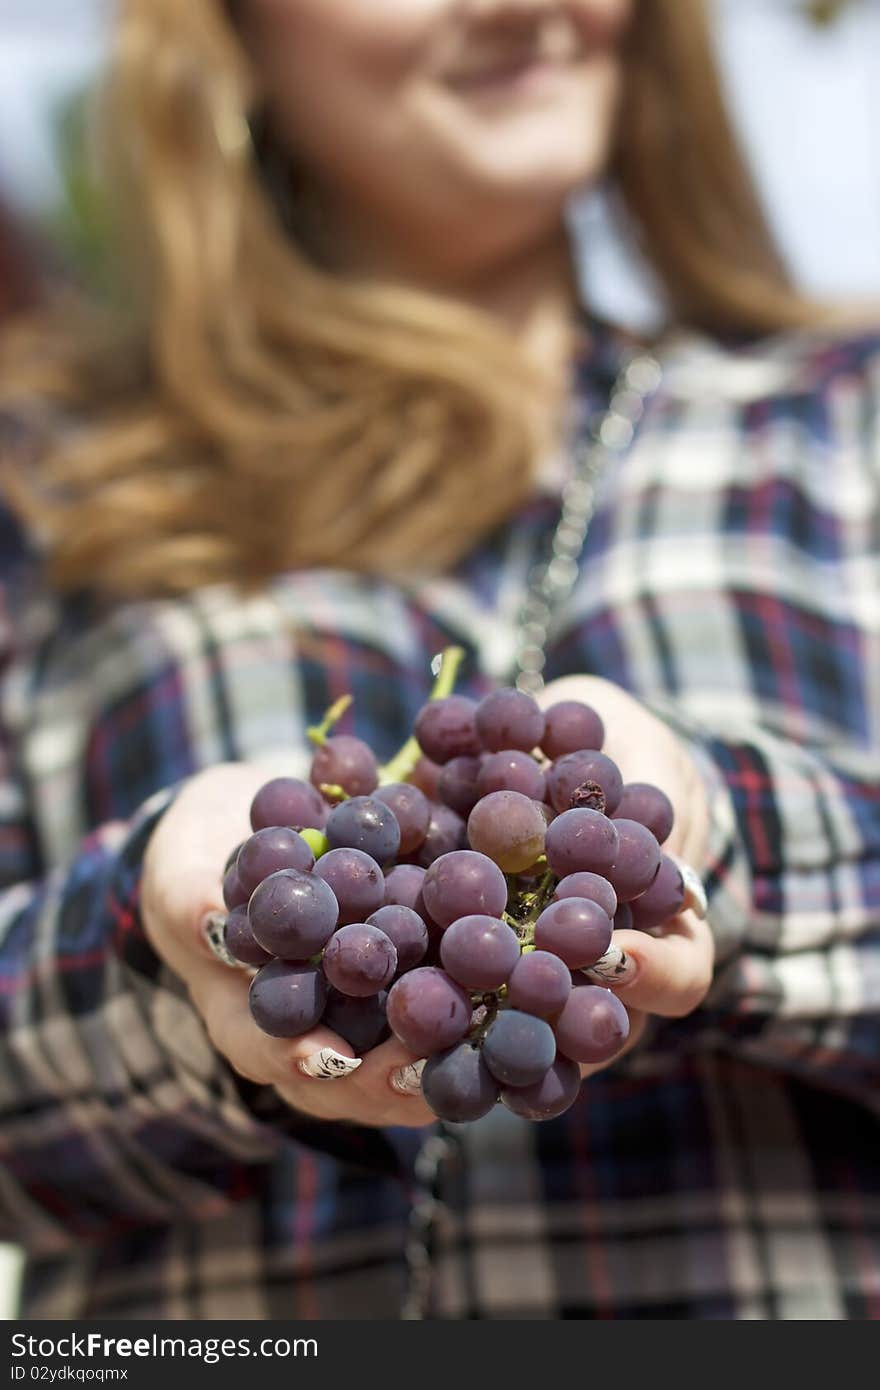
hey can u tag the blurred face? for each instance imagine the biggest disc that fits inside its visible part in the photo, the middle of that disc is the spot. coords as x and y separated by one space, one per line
458 127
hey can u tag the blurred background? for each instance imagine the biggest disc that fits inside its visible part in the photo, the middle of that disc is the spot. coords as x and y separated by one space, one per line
803 78
804 84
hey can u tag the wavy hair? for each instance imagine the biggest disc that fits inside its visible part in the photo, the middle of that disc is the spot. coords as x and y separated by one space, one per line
251 412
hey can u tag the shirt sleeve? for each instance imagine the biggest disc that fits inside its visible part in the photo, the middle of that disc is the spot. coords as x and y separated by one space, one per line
114 1107
793 883
791 754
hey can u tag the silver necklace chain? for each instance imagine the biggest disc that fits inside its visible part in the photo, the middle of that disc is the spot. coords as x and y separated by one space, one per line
551 582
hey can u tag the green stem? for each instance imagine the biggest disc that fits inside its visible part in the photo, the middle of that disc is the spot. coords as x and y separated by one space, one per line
318 733
331 791
402 765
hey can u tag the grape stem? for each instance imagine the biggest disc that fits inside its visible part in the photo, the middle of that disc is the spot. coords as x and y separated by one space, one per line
331 791
402 765
533 905
319 733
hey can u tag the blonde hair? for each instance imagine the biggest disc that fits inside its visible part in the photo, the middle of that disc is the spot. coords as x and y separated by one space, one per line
256 412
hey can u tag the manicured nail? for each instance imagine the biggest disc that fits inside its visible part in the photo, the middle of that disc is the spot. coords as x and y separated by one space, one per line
614 968
214 932
328 1064
407 1081
694 892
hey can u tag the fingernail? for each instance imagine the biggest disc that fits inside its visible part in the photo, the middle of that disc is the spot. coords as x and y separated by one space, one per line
214 932
407 1081
614 968
694 892
328 1064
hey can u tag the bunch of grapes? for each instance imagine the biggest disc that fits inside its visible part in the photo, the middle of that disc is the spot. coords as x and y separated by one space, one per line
455 897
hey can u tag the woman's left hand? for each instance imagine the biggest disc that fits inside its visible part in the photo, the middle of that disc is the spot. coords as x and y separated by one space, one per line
668 975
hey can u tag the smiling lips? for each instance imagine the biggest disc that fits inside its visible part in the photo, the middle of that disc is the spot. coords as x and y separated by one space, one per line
504 75
551 53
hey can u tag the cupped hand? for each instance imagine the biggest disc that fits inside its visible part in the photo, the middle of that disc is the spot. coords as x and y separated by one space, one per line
181 886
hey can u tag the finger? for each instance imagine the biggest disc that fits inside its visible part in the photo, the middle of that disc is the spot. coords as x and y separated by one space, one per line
221 997
307 1069
369 1095
667 975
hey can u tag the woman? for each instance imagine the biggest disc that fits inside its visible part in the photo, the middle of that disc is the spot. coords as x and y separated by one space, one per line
331 438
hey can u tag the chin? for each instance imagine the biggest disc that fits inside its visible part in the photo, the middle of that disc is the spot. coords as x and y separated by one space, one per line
555 176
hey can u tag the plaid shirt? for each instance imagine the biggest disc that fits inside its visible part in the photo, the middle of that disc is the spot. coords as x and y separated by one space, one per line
729 1168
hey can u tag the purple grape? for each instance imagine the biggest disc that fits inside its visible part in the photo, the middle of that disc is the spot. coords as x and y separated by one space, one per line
518 1048
356 881
287 1000
570 727
361 1022
570 772
366 824
457 784
425 775
479 952
428 1011
234 892
411 811
292 915
581 840
636 862
288 801
508 828
231 858
446 832
587 885
509 718
647 804
267 851
403 887
593 1026
576 930
539 984
458 1085
511 771
240 940
445 729
406 929
347 762
663 900
623 917
555 1093
461 883
359 960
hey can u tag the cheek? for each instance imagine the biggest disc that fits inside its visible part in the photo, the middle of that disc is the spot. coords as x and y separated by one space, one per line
603 22
337 65
348 35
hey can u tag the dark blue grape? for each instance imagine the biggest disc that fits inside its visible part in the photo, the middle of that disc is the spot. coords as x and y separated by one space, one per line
366 824
356 881
240 941
518 1048
361 1022
292 915
458 1085
287 1000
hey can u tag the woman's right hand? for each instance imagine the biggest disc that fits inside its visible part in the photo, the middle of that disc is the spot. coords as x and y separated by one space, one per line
181 885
